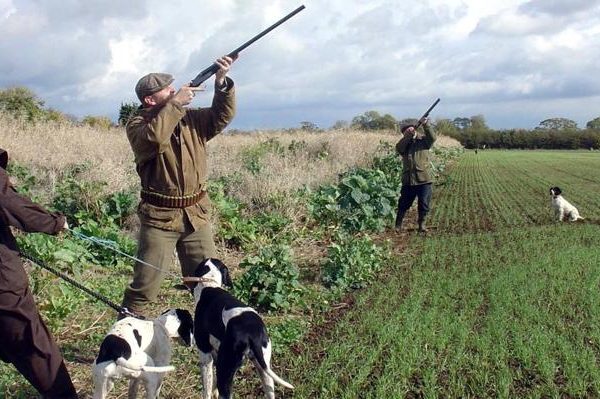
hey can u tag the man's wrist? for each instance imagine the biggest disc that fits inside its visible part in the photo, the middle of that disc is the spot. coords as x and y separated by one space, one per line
223 85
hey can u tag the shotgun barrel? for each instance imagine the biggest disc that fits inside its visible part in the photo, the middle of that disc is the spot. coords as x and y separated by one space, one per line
426 114
212 69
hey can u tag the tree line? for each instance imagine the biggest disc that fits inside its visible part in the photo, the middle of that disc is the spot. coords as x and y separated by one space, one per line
553 133
472 132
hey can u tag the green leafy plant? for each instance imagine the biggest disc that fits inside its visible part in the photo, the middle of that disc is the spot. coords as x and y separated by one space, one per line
363 200
287 332
251 156
25 180
352 262
233 228
239 228
270 280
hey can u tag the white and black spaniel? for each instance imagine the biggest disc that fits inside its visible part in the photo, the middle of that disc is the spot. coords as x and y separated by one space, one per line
226 330
562 207
141 351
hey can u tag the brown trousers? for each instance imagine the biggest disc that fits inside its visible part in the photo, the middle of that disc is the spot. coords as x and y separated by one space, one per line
156 247
27 344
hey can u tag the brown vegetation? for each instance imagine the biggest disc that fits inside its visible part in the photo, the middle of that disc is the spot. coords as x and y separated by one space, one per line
49 149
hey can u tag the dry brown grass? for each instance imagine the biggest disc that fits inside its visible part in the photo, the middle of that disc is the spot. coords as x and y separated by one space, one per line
50 149
319 158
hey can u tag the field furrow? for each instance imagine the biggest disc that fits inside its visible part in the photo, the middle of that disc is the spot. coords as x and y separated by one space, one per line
499 301
500 189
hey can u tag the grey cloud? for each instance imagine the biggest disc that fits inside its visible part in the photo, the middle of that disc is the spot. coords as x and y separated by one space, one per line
540 17
559 8
88 14
333 61
69 46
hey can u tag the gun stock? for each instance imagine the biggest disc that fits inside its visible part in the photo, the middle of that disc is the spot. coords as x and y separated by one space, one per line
426 114
211 70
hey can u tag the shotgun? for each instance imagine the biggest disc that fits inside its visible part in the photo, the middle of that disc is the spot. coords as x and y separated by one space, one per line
211 70
426 114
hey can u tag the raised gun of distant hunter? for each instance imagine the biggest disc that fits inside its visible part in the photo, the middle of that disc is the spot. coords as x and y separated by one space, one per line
426 114
211 70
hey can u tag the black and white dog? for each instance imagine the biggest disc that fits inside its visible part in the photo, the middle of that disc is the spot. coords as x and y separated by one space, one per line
225 329
141 351
562 207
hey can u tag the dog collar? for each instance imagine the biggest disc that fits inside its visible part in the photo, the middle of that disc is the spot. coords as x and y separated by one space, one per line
199 280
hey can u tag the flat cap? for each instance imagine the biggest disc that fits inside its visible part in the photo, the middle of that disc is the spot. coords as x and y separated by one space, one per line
406 123
152 83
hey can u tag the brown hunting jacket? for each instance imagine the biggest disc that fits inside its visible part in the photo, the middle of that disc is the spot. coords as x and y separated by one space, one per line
169 144
20 212
415 157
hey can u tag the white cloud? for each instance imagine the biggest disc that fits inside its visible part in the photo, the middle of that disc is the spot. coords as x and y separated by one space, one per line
332 61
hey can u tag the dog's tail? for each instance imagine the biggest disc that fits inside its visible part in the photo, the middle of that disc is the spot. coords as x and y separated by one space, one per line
151 369
256 349
278 379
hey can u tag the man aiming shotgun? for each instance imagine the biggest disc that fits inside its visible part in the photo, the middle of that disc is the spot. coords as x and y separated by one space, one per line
169 143
414 147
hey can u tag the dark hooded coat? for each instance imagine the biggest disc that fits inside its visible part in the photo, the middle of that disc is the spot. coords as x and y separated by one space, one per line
26 341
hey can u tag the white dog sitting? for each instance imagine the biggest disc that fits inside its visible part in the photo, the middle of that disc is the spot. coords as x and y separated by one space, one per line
562 207
226 330
141 351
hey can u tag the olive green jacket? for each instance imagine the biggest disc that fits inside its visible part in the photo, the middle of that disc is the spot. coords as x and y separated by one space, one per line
415 157
169 144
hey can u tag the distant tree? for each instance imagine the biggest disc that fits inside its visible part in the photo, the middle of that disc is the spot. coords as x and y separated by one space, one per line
373 120
340 125
56 116
478 123
102 122
126 111
309 126
462 123
594 124
22 103
446 127
557 124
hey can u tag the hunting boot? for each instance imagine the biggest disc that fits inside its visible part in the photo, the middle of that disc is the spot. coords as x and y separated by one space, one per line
422 227
399 218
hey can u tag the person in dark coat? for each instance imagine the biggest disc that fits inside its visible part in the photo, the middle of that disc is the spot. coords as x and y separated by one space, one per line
24 338
414 147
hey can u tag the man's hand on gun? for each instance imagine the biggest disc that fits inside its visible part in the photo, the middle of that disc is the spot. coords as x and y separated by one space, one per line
224 64
185 95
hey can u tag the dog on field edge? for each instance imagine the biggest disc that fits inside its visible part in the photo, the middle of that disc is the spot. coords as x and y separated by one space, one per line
562 207
141 351
225 330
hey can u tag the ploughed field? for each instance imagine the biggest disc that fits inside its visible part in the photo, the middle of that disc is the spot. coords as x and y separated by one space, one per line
499 300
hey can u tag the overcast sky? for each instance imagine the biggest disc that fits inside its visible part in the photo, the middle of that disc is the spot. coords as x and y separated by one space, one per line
516 62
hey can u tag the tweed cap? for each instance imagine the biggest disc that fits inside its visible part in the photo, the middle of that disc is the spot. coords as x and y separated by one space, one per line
152 83
408 123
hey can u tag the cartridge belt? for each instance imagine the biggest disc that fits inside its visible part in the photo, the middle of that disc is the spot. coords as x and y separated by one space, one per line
169 201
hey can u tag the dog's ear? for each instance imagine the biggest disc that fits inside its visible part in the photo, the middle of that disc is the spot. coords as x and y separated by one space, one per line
202 268
186 326
225 277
